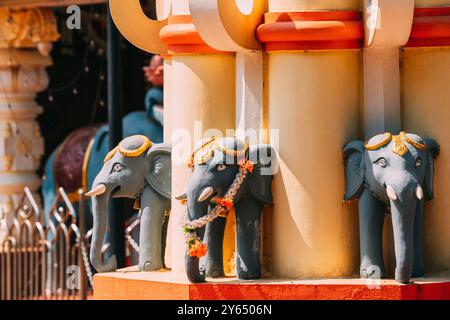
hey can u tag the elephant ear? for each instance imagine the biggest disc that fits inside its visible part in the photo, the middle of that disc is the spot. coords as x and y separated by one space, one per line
354 169
159 177
432 151
259 182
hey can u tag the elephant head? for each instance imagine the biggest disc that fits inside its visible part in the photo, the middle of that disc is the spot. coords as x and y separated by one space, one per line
225 173
396 172
135 169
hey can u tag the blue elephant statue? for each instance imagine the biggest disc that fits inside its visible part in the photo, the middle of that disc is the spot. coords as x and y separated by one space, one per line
135 169
78 160
226 172
391 172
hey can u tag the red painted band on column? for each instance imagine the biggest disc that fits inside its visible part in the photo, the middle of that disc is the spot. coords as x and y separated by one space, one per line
431 27
181 36
322 30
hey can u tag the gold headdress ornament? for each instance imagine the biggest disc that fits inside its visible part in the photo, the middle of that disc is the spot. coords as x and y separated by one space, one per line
110 154
202 153
380 144
130 153
205 152
415 144
399 146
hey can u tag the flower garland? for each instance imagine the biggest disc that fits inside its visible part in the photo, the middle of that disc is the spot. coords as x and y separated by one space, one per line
195 247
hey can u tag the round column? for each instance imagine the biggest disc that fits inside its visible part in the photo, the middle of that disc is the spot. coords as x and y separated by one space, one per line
313 98
426 111
202 97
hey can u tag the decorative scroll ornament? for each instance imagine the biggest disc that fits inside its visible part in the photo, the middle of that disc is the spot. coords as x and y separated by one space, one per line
229 25
136 27
383 16
399 146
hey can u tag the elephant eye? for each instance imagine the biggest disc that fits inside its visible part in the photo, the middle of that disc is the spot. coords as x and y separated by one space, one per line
382 162
418 162
117 168
221 167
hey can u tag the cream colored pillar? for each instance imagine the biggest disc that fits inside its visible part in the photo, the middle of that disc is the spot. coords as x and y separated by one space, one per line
25 42
199 91
313 82
382 111
426 111
201 98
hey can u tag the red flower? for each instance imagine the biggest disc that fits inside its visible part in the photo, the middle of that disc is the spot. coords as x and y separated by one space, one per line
198 249
227 203
248 165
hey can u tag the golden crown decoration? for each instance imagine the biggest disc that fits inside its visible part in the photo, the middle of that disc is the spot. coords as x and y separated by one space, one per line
130 153
205 152
399 146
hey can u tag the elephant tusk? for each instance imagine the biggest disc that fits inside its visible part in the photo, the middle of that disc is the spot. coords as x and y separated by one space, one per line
98 190
181 197
207 192
419 192
391 193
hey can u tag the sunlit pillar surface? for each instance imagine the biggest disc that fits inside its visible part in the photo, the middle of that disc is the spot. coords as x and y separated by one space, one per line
313 97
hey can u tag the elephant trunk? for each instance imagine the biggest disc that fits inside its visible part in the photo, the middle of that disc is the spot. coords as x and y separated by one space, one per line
194 272
198 203
403 209
99 206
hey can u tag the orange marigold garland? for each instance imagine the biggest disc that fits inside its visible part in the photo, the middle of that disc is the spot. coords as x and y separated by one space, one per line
226 203
197 248
247 165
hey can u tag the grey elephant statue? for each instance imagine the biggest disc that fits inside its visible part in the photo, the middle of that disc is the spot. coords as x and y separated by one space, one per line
226 173
135 169
391 172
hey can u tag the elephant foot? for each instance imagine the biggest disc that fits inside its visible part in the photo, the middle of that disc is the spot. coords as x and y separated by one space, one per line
216 273
244 275
148 266
371 272
403 276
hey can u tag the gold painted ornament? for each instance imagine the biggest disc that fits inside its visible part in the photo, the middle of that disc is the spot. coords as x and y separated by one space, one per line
205 152
399 146
130 153
380 144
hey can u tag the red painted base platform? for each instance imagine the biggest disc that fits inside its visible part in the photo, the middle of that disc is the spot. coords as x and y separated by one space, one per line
127 284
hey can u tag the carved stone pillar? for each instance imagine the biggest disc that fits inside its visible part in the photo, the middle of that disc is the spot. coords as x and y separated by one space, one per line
25 42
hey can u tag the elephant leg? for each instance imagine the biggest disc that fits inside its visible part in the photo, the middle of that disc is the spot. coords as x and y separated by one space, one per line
151 231
248 235
213 261
418 266
371 221
165 226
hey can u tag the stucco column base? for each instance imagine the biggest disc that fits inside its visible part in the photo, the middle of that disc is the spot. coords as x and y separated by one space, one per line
127 284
